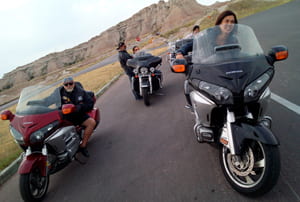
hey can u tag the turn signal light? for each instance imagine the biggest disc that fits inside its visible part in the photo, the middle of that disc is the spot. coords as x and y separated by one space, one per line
7 115
223 141
4 117
67 110
178 68
281 55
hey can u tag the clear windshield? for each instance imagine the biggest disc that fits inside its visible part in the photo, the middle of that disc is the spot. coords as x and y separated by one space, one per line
142 53
225 43
38 99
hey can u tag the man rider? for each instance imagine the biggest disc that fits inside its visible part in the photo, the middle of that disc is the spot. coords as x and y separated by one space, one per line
73 93
123 57
189 46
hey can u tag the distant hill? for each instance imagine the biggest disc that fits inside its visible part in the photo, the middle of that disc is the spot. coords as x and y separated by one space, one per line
160 17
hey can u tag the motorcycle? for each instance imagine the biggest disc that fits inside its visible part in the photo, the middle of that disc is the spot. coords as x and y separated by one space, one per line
50 143
227 88
147 78
173 48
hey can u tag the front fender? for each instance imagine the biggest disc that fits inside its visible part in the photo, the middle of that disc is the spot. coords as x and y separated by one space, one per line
145 83
35 160
244 131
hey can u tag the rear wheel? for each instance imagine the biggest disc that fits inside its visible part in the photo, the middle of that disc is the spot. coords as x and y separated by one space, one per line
33 186
146 97
255 171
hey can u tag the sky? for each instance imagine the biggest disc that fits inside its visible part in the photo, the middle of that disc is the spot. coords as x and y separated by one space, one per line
31 29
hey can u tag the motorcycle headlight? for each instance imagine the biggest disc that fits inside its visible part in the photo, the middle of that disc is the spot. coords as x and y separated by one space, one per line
152 69
135 71
17 135
144 70
254 89
38 136
220 94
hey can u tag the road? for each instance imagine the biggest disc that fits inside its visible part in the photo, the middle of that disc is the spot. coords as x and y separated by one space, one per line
143 153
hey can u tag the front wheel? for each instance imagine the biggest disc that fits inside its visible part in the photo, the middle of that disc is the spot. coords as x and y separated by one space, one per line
255 171
33 186
146 97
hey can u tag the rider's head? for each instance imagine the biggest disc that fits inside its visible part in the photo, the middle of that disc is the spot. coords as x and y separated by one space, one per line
121 46
226 17
69 84
135 49
196 29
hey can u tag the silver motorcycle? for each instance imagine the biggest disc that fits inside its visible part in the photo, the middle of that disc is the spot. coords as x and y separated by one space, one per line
227 91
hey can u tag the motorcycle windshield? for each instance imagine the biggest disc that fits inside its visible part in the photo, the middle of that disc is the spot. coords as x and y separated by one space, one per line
224 43
38 99
144 59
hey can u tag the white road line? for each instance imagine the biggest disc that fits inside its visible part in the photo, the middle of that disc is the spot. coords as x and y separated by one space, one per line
290 186
295 108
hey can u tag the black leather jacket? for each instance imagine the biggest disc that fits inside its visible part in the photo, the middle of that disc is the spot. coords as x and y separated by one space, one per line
123 57
79 97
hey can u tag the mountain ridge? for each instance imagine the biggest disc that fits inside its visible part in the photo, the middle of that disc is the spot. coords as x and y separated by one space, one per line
160 17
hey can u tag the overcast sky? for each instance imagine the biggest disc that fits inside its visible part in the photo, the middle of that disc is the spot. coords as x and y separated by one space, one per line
31 29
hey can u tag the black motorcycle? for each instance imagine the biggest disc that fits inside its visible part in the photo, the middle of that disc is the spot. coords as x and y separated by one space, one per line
147 78
227 89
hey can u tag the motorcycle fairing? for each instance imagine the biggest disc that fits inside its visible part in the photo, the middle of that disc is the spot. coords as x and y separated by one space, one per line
31 123
144 61
233 75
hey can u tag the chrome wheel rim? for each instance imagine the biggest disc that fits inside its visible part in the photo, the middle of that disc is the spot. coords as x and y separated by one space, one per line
248 169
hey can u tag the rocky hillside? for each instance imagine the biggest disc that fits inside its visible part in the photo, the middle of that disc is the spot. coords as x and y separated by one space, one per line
160 17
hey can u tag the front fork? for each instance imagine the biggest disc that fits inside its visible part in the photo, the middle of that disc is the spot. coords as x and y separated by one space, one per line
143 84
226 136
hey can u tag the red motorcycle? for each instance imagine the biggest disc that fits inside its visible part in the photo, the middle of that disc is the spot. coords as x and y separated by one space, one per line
50 142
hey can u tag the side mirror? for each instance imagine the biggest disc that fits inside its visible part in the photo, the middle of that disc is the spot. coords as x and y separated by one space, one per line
7 115
278 53
179 66
68 108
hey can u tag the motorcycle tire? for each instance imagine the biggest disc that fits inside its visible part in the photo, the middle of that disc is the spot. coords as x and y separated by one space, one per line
33 186
146 96
256 172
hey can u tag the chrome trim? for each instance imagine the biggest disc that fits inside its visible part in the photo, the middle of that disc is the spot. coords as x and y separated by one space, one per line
28 151
45 150
202 106
227 132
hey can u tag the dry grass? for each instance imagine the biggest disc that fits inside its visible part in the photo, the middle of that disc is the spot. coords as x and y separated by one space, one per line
9 150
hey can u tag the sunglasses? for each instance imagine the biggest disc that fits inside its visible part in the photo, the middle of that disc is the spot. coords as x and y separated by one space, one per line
67 84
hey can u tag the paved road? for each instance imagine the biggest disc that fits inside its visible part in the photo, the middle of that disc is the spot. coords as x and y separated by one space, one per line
143 153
